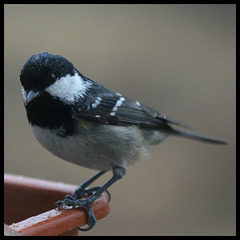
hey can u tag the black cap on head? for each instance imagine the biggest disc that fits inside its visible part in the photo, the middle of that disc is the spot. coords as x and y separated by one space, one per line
42 69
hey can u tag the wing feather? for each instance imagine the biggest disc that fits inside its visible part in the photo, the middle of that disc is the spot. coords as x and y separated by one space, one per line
107 107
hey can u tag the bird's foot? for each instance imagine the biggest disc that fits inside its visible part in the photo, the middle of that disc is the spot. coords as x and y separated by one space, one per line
74 201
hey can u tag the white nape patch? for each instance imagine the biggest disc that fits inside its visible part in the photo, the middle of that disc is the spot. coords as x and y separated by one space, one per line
97 102
69 88
118 104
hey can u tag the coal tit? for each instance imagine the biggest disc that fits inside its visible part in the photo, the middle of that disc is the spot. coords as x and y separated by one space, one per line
85 123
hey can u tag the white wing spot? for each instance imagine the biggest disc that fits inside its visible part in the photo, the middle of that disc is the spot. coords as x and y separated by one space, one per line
138 103
97 102
118 104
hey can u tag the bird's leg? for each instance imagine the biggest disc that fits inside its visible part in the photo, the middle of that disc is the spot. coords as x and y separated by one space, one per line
81 190
72 203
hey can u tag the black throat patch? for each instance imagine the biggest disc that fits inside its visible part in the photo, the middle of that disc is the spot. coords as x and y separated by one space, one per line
47 112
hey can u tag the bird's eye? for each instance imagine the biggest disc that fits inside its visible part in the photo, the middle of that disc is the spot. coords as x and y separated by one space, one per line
53 76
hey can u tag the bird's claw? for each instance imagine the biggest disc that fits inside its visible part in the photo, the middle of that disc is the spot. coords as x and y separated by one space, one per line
74 202
70 203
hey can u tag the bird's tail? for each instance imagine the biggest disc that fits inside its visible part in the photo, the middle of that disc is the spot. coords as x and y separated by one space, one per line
195 136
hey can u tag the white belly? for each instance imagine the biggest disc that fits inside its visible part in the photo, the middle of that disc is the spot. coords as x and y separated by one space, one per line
72 149
95 149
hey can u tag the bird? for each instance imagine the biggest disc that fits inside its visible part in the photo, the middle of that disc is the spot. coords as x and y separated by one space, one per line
85 123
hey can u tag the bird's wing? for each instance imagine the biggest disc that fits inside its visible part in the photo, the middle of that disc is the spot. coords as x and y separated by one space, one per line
114 109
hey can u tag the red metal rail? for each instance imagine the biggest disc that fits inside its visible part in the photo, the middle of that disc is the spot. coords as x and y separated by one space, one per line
28 207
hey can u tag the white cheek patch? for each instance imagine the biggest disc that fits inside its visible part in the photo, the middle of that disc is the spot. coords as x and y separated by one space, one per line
69 88
24 94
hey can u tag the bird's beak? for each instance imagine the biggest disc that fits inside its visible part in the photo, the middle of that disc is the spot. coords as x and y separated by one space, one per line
30 96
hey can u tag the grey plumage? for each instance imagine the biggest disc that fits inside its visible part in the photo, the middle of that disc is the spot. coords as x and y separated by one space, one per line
84 122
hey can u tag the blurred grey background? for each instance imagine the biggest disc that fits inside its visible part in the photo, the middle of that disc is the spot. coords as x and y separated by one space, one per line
178 59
